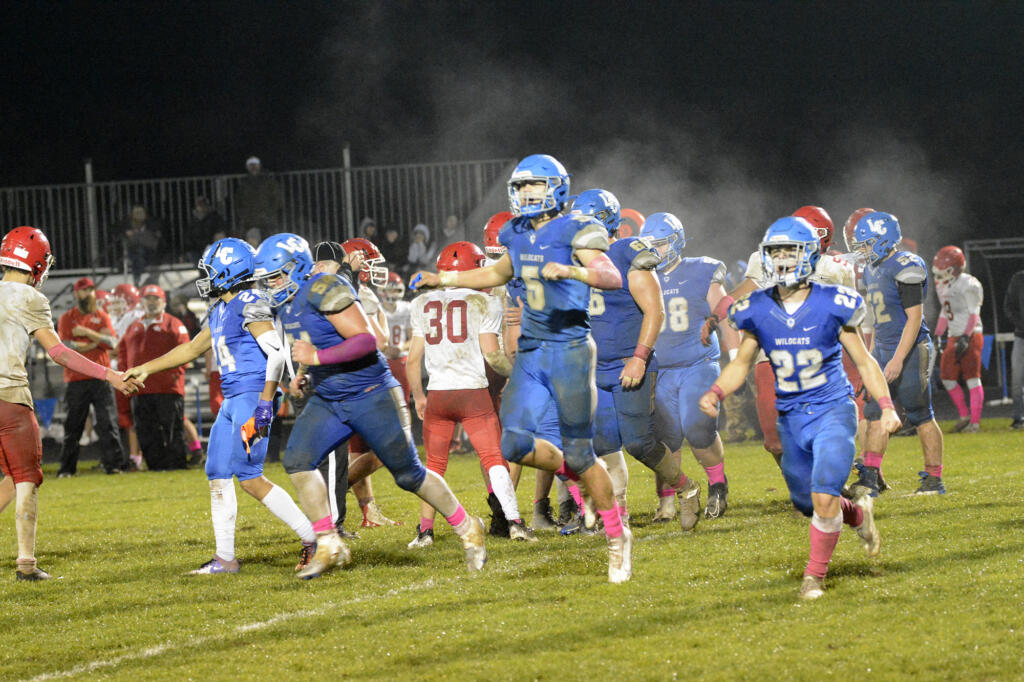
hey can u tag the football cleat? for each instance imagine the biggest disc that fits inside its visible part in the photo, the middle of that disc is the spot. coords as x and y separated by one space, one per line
973 427
520 531
867 481
345 534
870 539
689 504
542 519
330 552
620 557
1017 424
36 574
499 524
811 588
666 509
218 565
567 509
717 500
930 485
424 538
961 425
373 517
305 554
473 544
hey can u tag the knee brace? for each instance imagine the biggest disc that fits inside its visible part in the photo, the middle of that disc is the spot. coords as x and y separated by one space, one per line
516 444
579 454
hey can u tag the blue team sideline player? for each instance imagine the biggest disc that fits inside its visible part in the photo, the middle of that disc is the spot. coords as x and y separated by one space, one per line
558 257
353 392
626 323
896 283
240 329
691 289
803 327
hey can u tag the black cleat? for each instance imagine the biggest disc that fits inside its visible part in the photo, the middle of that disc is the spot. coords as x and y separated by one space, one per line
717 504
567 509
868 480
36 574
542 518
499 524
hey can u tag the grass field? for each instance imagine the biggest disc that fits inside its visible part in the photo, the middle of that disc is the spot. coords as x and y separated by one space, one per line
943 601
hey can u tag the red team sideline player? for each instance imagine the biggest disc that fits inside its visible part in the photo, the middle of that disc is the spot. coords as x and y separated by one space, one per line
25 260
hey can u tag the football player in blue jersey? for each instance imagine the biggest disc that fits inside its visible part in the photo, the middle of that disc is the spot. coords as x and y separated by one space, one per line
622 321
558 257
896 283
353 393
803 327
240 329
691 289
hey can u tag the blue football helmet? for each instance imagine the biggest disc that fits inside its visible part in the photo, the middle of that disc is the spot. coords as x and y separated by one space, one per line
601 205
876 235
224 264
666 235
286 255
538 168
797 263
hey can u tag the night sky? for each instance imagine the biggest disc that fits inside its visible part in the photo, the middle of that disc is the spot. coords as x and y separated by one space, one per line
691 107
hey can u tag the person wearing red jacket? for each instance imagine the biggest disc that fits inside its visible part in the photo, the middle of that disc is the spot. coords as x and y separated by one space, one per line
159 408
88 330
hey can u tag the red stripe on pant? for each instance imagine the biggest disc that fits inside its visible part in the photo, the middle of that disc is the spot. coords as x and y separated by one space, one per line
474 410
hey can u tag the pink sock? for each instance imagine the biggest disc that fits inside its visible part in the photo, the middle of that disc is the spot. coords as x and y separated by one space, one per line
196 445
977 400
852 514
426 524
957 394
323 525
873 459
669 492
489 489
564 470
458 517
681 483
612 522
574 490
934 471
716 474
822 546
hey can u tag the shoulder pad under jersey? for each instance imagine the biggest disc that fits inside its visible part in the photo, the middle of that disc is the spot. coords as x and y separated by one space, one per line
850 306
256 307
910 269
644 256
587 233
331 294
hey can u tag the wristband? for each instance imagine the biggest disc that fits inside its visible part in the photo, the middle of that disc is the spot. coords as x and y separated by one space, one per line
717 390
643 352
449 278
885 402
578 273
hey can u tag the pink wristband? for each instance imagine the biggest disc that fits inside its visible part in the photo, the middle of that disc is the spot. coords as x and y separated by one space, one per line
885 402
643 352
717 390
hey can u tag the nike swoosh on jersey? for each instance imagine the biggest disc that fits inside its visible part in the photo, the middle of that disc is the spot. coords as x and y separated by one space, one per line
807 329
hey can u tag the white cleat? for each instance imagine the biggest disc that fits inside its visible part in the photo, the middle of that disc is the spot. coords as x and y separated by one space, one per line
473 543
689 505
330 552
373 517
424 538
620 557
811 588
870 538
517 530
666 509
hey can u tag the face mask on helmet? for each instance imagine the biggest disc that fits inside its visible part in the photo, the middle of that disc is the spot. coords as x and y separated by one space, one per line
283 263
539 185
789 251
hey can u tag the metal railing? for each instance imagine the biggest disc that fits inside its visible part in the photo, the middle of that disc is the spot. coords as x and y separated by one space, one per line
85 222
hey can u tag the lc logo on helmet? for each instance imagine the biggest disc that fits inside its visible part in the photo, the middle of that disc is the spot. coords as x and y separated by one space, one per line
292 245
877 226
225 256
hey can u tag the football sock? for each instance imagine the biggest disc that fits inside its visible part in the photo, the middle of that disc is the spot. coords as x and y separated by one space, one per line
977 401
501 482
426 524
852 514
324 525
619 474
574 490
195 445
935 471
716 474
456 518
283 507
873 459
957 395
612 522
26 503
824 536
669 492
435 492
223 510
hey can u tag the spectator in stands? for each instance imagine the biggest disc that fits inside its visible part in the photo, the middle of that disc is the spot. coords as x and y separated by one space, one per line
421 254
142 235
1013 306
88 330
159 407
394 249
368 229
203 229
258 202
180 309
453 231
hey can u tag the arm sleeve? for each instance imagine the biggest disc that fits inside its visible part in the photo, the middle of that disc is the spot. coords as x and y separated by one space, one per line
270 344
910 294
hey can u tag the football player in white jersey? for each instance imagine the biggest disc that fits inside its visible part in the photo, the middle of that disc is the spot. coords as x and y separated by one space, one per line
960 299
399 327
828 270
25 261
455 330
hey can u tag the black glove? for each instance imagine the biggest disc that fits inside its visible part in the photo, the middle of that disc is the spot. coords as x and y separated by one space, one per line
962 343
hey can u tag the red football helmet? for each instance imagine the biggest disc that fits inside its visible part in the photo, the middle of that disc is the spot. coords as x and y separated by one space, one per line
632 221
820 221
948 263
460 256
127 293
102 298
27 248
394 289
373 271
492 247
851 223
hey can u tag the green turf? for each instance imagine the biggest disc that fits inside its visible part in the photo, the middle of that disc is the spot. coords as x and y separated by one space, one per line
943 601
